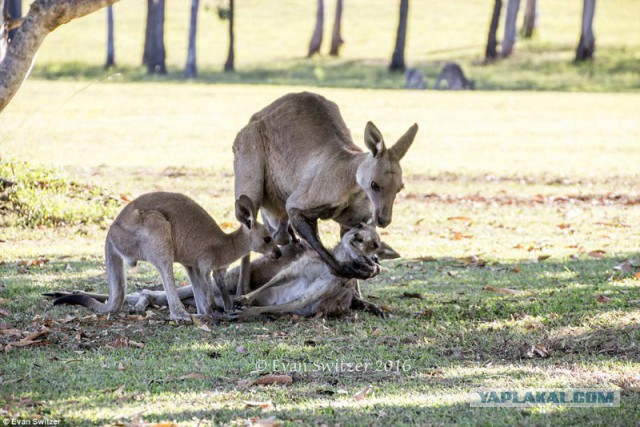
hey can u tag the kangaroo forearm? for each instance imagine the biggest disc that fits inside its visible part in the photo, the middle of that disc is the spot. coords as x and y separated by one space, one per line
307 229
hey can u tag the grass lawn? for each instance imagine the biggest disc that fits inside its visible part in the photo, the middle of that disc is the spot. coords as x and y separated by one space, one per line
535 192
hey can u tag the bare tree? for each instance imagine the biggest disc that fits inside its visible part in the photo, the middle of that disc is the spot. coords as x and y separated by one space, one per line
492 42
397 59
336 35
530 21
316 37
510 28
191 68
229 64
111 50
587 43
154 54
44 16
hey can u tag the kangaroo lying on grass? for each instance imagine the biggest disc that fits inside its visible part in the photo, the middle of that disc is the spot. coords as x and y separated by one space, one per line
163 228
297 162
308 289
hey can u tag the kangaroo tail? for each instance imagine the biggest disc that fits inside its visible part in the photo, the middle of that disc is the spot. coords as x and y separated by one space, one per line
117 283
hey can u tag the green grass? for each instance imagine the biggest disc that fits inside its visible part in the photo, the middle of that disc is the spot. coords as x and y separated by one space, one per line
509 188
272 39
534 173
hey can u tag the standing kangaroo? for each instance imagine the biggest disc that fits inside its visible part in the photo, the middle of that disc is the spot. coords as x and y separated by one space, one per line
163 228
297 162
454 76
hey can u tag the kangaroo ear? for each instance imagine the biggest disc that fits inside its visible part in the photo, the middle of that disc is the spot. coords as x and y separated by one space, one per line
400 148
387 252
245 211
373 139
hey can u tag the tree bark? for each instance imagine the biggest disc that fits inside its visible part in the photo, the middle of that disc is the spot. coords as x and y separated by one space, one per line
316 37
4 31
44 16
397 59
13 8
111 50
229 64
191 68
336 35
154 54
587 43
510 28
491 53
530 19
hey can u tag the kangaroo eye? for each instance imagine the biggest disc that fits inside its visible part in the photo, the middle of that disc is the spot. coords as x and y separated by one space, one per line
375 186
357 238
267 239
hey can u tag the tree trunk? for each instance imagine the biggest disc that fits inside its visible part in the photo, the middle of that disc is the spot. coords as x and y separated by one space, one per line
316 38
510 28
154 54
587 44
530 19
111 50
229 65
13 8
44 16
491 52
336 35
397 59
4 33
191 68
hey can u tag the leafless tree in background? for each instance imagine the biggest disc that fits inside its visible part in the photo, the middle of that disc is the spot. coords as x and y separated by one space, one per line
510 28
336 35
229 64
587 43
397 59
191 68
316 37
491 53
154 54
530 21
111 49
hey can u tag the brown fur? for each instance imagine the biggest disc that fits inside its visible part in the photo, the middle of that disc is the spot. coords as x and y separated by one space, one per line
297 162
163 228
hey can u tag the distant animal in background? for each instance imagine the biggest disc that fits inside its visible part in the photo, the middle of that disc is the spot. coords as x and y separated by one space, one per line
414 79
454 76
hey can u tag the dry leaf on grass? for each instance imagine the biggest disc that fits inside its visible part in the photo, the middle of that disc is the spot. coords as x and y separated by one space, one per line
267 405
598 253
603 299
504 291
543 257
460 218
266 380
363 393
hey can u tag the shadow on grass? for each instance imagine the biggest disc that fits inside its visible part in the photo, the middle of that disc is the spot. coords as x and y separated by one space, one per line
543 68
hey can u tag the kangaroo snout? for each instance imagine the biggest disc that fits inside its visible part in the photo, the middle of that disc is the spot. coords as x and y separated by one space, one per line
276 254
382 221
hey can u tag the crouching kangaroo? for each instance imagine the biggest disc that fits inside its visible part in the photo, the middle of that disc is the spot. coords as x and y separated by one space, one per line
307 285
297 162
453 75
163 228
